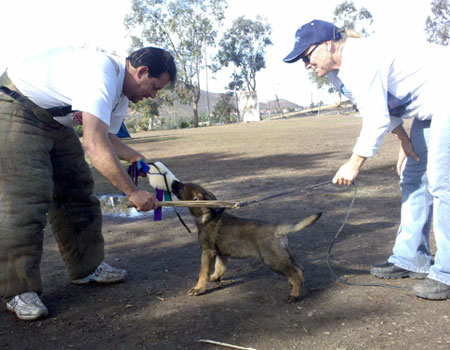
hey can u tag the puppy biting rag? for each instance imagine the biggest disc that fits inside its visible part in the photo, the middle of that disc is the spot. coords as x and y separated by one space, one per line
162 180
159 177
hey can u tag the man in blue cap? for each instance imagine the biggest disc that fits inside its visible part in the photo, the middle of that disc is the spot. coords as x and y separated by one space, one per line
389 81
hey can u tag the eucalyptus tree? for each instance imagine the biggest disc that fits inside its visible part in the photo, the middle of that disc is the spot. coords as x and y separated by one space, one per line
225 109
183 27
437 26
243 46
347 16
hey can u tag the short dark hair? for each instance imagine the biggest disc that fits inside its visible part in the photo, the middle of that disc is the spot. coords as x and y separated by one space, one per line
158 61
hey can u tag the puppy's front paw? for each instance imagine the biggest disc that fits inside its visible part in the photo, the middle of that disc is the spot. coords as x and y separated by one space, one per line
291 299
197 291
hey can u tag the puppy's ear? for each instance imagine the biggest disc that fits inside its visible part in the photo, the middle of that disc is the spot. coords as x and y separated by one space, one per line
209 196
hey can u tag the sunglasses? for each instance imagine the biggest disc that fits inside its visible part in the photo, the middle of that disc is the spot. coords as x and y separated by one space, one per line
307 57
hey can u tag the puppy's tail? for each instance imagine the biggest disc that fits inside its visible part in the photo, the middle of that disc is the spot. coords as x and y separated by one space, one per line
285 229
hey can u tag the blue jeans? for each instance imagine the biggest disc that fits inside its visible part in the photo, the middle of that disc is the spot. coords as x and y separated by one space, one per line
425 187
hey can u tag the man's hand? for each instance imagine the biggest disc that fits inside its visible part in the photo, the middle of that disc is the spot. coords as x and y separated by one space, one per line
348 172
143 200
406 148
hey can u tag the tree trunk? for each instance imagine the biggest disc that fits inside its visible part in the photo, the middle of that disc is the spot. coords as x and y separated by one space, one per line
195 101
195 110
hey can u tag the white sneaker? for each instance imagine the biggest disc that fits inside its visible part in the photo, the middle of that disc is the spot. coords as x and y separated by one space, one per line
27 306
103 274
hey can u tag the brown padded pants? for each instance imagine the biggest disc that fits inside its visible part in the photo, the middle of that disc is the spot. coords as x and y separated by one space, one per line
43 174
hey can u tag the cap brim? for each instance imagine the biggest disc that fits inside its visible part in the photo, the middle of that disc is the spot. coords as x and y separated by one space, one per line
295 55
292 57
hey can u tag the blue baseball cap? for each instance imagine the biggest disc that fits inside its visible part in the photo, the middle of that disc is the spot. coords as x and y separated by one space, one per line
311 33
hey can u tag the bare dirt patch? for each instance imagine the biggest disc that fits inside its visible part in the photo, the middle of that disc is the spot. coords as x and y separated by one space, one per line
152 309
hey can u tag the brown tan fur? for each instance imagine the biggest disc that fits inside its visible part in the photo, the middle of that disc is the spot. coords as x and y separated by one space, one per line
222 235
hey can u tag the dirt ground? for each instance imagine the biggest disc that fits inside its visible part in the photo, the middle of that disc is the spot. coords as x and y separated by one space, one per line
152 310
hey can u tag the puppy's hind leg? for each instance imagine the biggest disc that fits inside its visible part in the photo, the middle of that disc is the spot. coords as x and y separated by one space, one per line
219 268
205 269
295 277
280 261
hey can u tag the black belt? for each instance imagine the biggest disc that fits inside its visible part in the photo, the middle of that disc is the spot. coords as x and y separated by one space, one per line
54 111
59 111
15 95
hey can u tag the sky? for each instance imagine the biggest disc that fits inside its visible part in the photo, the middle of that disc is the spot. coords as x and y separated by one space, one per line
30 26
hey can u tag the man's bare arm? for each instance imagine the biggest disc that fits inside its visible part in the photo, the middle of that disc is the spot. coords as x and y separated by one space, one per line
97 144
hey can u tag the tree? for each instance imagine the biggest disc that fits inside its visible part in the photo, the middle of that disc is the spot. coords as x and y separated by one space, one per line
243 45
437 27
225 110
183 27
346 16
148 110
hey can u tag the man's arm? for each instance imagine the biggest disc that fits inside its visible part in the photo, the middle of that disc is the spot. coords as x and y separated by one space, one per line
98 147
123 151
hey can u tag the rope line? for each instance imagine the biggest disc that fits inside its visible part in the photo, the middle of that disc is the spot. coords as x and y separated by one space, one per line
335 275
244 204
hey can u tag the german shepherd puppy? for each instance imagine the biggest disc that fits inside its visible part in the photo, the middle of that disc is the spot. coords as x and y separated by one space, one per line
222 235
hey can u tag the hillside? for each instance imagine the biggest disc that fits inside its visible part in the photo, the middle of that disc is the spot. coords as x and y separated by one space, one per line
185 111
274 106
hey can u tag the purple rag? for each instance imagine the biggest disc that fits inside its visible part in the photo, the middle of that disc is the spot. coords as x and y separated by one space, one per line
157 214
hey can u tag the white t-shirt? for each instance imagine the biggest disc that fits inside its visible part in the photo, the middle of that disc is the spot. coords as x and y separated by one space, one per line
87 80
388 82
